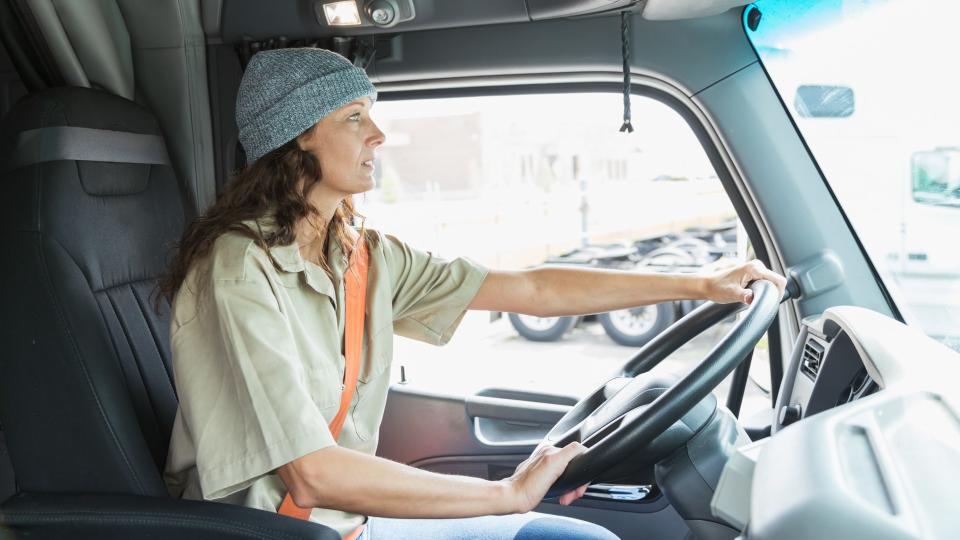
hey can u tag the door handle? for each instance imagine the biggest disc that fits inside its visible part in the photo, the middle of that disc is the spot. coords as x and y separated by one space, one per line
617 492
515 410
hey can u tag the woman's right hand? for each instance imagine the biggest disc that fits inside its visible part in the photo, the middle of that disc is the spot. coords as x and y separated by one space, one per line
537 473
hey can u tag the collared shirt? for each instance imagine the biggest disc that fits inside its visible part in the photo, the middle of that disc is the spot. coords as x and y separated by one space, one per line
258 360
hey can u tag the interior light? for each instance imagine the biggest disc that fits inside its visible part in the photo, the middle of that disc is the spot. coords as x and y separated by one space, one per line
342 13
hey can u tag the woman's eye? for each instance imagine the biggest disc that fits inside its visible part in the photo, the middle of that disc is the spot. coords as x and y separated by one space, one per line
354 117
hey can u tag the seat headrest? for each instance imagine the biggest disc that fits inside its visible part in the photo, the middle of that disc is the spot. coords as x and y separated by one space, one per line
89 170
91 128
81 107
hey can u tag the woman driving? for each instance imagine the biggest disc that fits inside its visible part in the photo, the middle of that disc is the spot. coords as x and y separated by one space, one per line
273 283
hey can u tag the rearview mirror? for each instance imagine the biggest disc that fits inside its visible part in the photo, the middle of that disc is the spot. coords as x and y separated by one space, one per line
824 101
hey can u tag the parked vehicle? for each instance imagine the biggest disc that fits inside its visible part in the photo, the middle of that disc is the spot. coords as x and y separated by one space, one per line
687 251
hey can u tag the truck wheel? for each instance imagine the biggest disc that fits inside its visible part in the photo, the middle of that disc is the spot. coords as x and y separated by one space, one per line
634 327
686 306
668 256
542 328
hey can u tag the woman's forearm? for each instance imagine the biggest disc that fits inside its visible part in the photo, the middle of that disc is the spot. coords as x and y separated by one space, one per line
554 291
343 479
561 290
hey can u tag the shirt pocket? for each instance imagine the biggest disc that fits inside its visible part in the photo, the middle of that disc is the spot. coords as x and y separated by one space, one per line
326 387
372 387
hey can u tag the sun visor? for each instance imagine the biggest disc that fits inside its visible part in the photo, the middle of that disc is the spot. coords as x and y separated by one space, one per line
665 10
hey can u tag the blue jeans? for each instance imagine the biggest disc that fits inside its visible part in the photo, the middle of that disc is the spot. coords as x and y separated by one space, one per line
529 526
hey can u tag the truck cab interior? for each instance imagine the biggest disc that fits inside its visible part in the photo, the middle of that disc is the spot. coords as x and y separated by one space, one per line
118 129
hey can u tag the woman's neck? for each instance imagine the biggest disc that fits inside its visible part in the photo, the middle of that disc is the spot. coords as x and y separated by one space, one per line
312 230
311 233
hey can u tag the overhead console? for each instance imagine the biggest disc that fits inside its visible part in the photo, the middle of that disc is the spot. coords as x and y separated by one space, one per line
551 9
235 20
303 19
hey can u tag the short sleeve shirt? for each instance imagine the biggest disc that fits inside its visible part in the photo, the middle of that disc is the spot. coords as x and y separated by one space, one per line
258 363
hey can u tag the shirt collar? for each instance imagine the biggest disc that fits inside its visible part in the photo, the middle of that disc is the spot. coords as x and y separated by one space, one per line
289 259
287 256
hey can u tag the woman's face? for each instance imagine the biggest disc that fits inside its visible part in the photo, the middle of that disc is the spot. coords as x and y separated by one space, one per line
345 142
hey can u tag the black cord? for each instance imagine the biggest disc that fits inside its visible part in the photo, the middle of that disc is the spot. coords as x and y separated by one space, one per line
365 52
625 45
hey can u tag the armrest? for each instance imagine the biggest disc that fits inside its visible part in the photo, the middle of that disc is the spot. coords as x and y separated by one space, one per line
117 516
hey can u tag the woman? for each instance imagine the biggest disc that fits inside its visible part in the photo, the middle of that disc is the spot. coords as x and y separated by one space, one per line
258 321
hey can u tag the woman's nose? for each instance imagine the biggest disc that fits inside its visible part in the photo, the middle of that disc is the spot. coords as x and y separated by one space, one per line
377 137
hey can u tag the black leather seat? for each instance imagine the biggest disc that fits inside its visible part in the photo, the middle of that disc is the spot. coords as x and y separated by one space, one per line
89 212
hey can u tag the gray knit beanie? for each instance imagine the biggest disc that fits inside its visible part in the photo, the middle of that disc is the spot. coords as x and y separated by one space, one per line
285 91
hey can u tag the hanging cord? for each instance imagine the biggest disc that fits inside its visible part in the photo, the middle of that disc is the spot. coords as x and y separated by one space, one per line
625 46
365 52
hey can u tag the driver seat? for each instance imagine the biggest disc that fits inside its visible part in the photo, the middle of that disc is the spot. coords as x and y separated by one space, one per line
90 212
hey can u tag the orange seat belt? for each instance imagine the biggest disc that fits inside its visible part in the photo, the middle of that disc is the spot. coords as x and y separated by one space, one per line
355 285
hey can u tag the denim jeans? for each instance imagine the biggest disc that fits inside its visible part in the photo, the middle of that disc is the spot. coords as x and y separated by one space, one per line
529 526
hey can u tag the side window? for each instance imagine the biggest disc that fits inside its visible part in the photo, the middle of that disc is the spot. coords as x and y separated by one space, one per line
524 180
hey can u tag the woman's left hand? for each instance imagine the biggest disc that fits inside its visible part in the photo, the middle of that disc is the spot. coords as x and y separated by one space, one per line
730 285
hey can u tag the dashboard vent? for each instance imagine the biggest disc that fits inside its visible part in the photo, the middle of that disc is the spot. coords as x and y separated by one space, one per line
812 356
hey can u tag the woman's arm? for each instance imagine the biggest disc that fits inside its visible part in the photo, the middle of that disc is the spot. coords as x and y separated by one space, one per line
554 291
343 479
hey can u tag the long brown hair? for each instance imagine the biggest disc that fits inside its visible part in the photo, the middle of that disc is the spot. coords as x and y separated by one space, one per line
277 183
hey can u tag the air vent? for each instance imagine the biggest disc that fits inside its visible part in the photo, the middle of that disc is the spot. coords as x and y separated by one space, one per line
812 356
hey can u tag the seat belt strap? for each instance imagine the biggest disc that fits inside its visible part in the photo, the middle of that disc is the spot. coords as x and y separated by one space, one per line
355 290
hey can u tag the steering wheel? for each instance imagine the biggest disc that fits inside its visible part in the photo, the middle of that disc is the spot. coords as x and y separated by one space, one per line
639 414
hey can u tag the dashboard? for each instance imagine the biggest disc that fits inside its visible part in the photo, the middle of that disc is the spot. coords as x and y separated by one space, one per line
826 370
866 444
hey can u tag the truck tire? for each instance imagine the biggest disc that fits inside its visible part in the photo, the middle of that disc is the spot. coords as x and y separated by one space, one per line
541 328
635 327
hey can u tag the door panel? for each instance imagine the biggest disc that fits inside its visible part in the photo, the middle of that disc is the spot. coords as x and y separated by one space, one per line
486 435
420 424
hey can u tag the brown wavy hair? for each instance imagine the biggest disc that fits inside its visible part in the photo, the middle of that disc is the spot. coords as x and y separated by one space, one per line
277 185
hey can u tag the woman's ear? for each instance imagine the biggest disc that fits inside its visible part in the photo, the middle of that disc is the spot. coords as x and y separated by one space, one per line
305 138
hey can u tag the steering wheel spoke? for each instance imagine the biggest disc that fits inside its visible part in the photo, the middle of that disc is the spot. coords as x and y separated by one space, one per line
580 423
641 390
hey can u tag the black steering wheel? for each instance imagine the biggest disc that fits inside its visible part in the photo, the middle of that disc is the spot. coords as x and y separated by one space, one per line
636 414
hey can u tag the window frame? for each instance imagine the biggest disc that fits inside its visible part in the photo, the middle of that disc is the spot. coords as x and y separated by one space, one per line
686 112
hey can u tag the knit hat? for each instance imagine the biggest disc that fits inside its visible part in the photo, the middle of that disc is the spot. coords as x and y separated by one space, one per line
285 91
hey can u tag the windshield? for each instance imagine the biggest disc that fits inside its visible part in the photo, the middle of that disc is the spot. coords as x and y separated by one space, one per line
872 86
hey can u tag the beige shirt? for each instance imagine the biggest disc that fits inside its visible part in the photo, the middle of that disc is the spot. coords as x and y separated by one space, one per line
258 362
